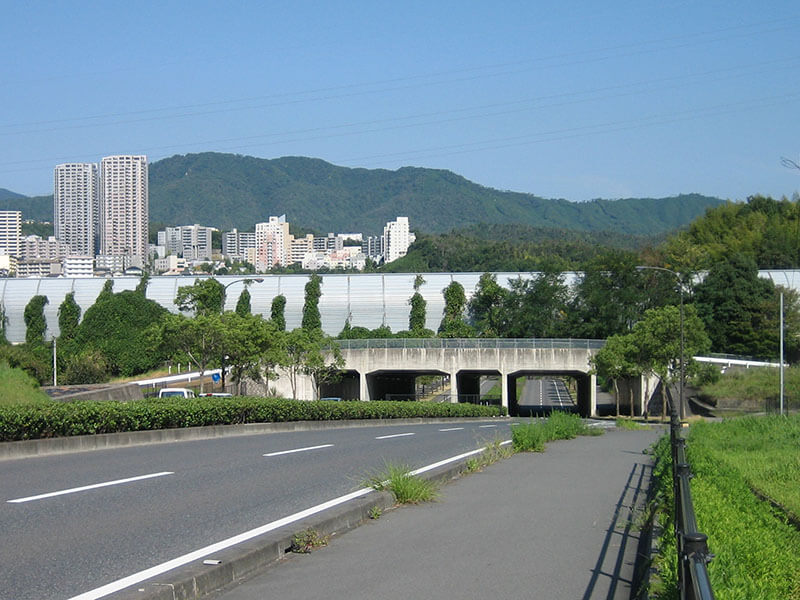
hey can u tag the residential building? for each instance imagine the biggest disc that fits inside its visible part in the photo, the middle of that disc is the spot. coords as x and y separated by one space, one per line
396 239
76 206
272 244
124 208
78 266
34 247
38 268
8 265
235 244
300 247
170 265
192 242
10 231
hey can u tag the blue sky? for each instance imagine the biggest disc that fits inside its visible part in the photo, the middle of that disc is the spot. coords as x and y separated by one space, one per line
574 100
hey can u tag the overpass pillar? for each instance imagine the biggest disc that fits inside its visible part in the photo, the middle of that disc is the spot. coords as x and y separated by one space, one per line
504 390
593 395
454 387
363 387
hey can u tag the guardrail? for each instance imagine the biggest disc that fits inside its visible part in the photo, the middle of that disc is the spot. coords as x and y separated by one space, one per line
470 343
693 554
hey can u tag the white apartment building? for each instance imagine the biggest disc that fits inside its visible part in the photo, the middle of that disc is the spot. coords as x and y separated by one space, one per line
124 207
78 266
76 206
170 265
10 231
192 242
272 244
235 244
396 239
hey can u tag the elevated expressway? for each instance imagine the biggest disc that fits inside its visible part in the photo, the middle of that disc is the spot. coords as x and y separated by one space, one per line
377 368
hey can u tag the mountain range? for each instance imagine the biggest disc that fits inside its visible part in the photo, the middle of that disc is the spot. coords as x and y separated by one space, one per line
228 190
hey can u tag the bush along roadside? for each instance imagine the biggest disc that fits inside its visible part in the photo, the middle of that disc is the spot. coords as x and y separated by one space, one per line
59 419
532 437
755 546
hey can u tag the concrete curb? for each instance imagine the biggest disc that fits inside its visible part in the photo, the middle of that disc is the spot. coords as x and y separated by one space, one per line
246 560
104 441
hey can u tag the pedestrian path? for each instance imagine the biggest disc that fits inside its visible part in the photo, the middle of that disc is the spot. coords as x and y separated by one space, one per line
564 524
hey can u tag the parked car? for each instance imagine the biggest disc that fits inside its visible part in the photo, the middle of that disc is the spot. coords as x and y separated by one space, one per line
178 392
219 394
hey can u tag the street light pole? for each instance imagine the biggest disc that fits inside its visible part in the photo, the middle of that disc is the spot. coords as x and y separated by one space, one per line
681 403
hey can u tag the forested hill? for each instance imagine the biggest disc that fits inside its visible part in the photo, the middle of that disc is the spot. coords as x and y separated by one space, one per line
227 190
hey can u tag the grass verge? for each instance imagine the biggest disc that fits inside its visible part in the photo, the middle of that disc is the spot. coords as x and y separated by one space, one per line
533 436
755 546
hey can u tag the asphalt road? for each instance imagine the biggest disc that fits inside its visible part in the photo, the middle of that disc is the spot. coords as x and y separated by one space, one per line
543 395
185 496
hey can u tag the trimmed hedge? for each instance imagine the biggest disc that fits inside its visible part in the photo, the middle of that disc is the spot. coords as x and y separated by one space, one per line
59 419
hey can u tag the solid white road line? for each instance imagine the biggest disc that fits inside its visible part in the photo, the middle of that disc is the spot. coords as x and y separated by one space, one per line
89 487
130 580
485 426
452 429
121 584
396 435
299 450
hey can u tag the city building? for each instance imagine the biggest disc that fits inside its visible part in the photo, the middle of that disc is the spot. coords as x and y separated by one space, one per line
396 239
76 206
78 266
192 242
169 265
272 244
34 247
8 265
124 208
235 244
10 231
300 247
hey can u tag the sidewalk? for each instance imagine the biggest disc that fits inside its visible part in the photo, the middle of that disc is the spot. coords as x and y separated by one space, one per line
560 525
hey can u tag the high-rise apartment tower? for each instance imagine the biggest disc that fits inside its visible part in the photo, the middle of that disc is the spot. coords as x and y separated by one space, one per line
124 207
76 206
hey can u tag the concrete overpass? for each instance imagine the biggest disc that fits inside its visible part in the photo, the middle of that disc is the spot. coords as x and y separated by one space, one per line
375 368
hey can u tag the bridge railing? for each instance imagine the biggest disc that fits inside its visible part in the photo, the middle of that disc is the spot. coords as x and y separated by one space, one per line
471 343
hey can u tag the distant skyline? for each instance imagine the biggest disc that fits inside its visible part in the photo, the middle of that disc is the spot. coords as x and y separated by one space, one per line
575 100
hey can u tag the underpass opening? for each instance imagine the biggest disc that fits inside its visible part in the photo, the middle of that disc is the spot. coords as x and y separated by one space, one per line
425 385
479 387
344 387
537 393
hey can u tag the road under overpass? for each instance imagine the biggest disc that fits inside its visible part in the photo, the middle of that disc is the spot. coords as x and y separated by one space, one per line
375 369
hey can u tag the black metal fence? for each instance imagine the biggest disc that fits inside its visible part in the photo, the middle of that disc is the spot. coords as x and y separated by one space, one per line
693 554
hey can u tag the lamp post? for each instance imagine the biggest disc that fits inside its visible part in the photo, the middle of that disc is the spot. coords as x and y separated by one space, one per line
682 407
247 281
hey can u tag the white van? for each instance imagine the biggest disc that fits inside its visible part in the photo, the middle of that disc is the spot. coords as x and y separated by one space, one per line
179 392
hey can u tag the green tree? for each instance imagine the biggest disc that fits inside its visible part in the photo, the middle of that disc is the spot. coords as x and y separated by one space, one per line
69 315
251 347
205 297
35 323
485 307
277 312
536 306
243 304
416 318
141 287
200 340
617 360
453 324
311 316
116 326
608 297
736 305
313 353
